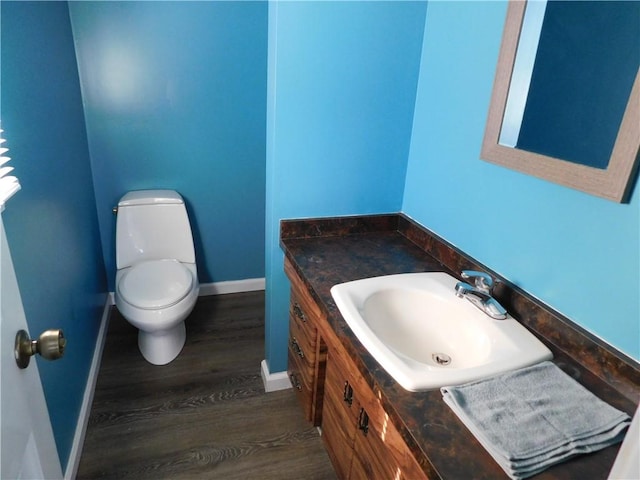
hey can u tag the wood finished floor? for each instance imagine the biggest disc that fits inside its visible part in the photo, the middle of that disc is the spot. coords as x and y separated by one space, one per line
205 415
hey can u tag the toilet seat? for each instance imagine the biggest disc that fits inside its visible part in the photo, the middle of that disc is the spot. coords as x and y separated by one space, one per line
155 284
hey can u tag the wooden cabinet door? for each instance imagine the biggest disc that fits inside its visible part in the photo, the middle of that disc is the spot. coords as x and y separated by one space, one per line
300 384
371 460
380 452
339 414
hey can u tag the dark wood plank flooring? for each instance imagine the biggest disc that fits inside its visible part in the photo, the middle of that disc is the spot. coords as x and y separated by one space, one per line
205 415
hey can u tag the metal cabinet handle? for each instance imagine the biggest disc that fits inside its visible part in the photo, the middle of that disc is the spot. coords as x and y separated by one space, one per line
296 347
347 395
50 345
299 313
295 382
363 422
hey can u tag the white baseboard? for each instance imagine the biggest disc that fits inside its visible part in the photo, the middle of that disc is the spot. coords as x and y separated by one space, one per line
273 381
85 410
232 286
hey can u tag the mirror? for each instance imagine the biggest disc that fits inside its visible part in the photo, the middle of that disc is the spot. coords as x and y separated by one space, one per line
590 101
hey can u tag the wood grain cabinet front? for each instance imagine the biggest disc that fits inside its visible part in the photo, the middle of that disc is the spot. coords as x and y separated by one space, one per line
339 416
361 441
357 432
306 355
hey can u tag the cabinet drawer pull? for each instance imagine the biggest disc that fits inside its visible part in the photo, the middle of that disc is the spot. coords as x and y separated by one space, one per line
363 422
296 347
347 395
299 313
295 382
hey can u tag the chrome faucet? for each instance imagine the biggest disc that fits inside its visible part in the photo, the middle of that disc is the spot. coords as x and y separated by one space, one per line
480 293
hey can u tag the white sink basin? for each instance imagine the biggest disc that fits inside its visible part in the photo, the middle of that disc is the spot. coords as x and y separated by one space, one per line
425 337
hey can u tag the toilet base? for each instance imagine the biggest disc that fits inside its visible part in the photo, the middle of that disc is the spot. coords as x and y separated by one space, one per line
162 347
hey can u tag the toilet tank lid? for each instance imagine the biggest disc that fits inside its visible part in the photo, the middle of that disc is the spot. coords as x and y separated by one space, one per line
150 197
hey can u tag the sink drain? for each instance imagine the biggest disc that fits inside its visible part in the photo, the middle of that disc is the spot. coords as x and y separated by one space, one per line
441 358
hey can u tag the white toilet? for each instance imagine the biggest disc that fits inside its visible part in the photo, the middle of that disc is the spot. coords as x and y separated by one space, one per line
156 280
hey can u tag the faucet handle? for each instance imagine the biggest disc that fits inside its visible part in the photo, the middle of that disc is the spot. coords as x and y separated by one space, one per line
482 281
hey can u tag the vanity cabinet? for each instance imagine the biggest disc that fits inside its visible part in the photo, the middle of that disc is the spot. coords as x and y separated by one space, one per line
421 435
359 437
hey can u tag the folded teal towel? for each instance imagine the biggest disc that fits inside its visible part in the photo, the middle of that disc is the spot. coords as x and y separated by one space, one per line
535 417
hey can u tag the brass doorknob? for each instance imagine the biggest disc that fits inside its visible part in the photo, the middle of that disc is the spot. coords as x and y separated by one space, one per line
50 345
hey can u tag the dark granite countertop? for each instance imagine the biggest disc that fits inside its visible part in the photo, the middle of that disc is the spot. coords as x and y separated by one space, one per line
325 252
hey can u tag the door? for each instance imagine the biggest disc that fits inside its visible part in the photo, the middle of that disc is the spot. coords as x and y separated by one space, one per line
27 447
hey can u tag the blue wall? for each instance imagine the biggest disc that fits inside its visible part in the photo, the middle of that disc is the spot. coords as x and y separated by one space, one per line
175 97
51 223
578 253
341 91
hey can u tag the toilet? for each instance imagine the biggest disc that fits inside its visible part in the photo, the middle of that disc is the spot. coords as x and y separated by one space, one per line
156 283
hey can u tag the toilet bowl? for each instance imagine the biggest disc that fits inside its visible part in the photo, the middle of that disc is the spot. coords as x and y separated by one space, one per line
156 279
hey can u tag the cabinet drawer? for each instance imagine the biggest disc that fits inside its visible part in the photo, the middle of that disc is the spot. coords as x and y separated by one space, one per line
301 386
302 311
300 297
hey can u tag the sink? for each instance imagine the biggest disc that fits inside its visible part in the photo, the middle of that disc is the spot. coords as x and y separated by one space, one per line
425 337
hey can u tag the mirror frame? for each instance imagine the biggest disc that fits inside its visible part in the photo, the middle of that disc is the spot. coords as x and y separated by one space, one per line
613 183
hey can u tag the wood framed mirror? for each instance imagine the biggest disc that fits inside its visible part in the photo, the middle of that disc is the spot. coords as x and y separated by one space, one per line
613 179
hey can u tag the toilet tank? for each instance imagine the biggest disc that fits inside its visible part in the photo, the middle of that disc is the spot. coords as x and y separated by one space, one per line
152 225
